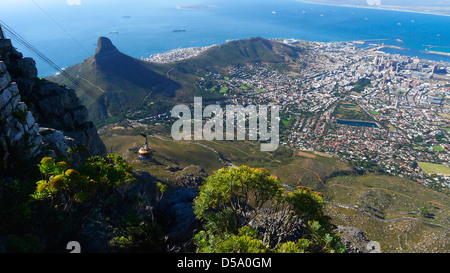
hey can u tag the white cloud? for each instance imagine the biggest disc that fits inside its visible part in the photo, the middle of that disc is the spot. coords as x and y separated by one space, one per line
374 2
73 2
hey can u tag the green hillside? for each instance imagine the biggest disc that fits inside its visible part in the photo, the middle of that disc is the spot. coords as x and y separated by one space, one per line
400 214
239 52
126 87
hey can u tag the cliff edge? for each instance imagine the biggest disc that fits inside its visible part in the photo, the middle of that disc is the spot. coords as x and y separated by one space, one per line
38 117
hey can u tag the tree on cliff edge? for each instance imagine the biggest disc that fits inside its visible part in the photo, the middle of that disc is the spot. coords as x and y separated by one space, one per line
245 210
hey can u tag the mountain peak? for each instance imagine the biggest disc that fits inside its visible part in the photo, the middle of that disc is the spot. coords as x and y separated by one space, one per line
105 47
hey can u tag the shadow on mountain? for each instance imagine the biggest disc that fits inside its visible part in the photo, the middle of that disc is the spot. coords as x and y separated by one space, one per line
117 83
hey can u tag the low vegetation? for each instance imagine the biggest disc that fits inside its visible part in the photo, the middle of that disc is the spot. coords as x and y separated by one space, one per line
389 205
245 210
60 206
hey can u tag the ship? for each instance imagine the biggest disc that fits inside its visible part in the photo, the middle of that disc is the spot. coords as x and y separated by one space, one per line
179 30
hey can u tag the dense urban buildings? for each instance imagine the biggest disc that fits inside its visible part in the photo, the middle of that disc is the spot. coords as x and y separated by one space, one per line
380 112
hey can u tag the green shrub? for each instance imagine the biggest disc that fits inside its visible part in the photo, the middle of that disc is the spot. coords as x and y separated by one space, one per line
95 174
143 238
233 198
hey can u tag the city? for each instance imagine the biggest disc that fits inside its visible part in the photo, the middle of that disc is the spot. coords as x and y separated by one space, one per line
380 112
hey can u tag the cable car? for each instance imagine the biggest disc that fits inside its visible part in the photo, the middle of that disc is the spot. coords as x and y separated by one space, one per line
145 152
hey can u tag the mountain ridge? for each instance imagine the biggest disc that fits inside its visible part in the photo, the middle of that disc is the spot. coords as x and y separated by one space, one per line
125 84
117 80
239 52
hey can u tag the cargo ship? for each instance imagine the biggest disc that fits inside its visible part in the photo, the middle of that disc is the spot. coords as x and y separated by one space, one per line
179 30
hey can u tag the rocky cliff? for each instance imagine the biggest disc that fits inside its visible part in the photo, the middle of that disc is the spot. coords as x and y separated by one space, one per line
19 132
37 116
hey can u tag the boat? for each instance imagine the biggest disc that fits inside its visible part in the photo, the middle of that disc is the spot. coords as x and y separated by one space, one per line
179 30
114 32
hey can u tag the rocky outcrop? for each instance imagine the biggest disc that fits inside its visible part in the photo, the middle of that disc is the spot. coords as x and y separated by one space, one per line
28 103
354 240
177 213
19 133
59 108
105 49
190 177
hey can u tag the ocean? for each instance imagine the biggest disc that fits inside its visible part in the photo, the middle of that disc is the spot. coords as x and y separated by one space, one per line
66 31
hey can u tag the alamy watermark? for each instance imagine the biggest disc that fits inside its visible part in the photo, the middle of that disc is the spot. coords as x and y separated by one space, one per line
235 117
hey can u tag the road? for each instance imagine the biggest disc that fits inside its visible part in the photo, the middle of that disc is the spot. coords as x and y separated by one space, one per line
334 203
376 216
382 219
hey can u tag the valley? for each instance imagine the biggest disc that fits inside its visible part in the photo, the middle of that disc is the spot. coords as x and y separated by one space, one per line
343 133
400 214
272 127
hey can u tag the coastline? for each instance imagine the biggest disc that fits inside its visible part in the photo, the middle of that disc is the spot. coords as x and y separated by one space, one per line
390 8
436 52
195 7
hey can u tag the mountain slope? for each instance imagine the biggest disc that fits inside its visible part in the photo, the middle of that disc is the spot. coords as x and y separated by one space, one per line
232 54
241 52
120 82
126 86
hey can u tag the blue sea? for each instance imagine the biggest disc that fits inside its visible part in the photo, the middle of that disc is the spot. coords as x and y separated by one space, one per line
66 31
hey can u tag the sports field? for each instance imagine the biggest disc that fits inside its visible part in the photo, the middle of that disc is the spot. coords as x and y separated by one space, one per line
431 168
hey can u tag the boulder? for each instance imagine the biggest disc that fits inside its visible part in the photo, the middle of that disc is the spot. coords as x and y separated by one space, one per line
353 239
177 210
28 67
5 79
55 141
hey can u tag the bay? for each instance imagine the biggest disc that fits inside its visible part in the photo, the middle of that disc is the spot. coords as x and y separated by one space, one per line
67 34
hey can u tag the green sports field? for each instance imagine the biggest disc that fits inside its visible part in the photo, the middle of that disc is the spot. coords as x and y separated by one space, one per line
431 168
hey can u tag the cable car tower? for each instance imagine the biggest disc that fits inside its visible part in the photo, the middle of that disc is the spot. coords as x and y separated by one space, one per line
145 152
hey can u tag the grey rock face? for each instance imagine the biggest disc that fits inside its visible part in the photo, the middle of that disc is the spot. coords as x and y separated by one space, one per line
178 210
354 239
18 135
27 103
55 141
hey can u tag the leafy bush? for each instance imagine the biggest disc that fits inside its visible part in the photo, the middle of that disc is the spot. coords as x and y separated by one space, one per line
95 174
246 210
63 200
140 238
